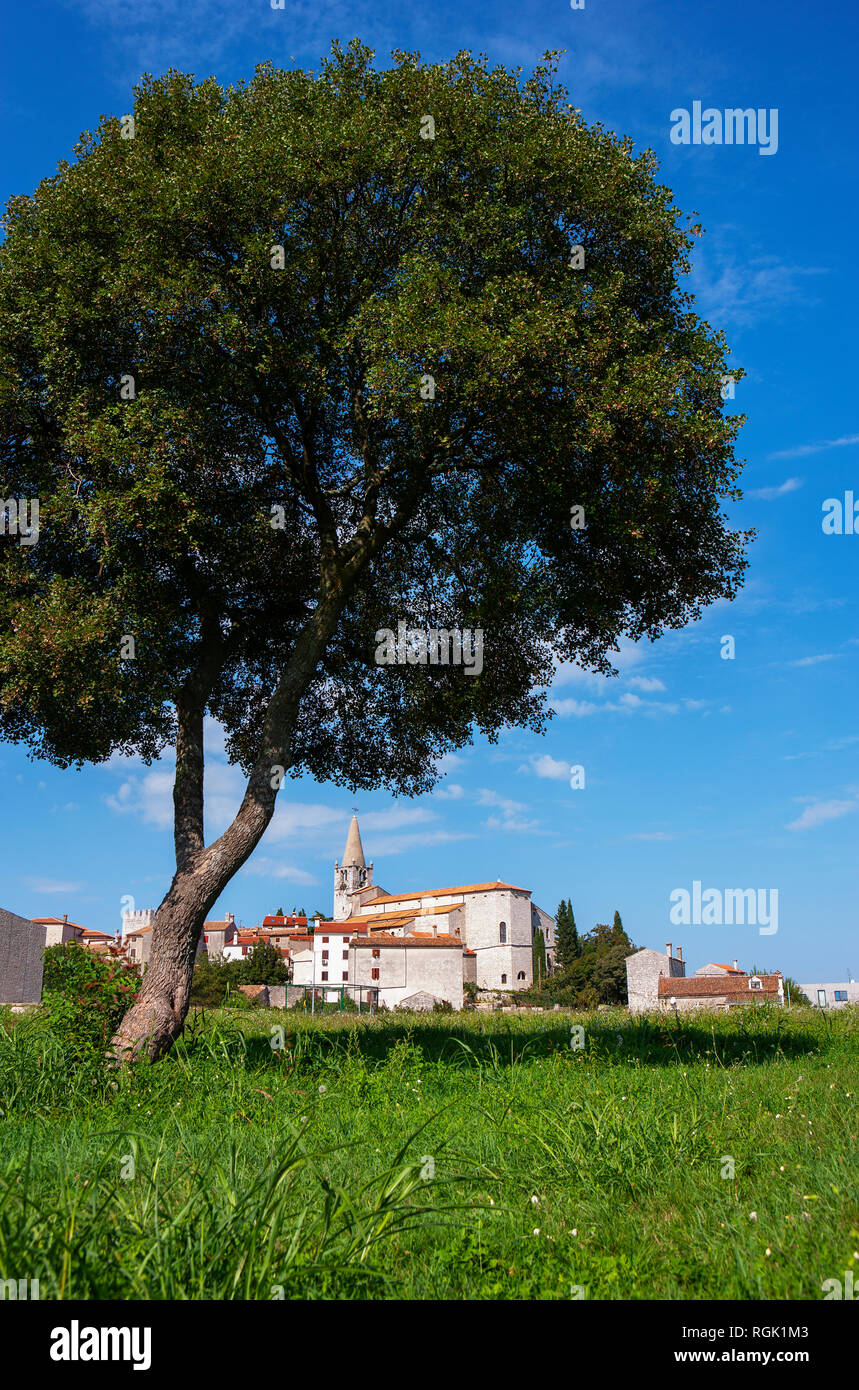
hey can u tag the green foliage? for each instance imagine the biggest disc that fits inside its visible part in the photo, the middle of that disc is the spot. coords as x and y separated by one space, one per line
264 966
151 257
538 956
568 946
794 993
596 974
84 996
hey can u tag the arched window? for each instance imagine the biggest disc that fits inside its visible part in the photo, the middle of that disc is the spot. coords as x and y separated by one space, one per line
502 933
503 979
521 975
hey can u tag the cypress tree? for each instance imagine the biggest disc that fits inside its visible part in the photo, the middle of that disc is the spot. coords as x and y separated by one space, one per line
567 936
539 957
574 932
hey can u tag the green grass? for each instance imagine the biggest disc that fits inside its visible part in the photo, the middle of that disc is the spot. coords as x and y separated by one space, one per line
550 1168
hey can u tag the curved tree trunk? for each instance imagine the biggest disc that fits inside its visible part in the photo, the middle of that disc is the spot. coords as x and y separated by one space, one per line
155 1019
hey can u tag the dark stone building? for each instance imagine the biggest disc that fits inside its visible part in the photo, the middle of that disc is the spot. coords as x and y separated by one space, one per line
22 945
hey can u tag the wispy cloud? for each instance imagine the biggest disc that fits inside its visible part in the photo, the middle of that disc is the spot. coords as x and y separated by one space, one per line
769 494
744 292
646 683
821 812
53 885
822 444
813 660
274 868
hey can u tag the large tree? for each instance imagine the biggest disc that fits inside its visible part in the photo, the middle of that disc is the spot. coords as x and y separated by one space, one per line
290 362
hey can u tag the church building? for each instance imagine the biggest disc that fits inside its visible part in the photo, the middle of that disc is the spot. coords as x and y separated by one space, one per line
494 922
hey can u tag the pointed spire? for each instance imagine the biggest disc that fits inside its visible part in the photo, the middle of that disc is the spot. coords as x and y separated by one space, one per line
354 851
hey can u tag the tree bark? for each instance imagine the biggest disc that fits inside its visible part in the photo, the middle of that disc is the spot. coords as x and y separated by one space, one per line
155 1019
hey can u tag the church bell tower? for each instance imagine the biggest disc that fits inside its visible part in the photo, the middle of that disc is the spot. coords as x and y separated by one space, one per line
352 874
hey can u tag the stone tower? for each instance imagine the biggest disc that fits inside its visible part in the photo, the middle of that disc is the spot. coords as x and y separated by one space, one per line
352 874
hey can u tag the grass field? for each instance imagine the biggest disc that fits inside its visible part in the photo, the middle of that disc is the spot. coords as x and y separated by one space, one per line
451 1157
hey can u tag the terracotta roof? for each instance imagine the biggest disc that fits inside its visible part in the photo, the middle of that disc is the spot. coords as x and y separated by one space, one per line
57 922
354 926
731 969
218 926
138 931
286 920
715 986
443 892
422 939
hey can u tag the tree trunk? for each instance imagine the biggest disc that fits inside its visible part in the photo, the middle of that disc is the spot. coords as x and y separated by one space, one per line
155 1020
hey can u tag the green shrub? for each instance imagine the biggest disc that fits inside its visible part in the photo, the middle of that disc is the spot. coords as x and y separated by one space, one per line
84 997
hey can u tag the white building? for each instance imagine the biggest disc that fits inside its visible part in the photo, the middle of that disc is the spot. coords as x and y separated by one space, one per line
832 996
496 921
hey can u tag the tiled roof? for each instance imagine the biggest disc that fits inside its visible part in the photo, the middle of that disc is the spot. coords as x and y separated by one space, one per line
56 922
353 927
443 892
715 986
386 939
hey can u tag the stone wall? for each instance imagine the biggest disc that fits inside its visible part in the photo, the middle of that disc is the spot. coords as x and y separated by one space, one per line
22 946
642 977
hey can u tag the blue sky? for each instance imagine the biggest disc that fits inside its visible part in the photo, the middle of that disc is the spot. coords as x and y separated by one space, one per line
737 773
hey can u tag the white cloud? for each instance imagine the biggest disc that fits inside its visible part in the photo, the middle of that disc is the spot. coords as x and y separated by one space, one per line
769 494
398 844
802 449
452 792
522 827
813 660
578 708
821 812
53 885
272 868
646 683
396 817
554 768
655 835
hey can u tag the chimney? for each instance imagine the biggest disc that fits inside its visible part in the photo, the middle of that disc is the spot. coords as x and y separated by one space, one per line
679 952
668 948
735 963
230 918
435 930
65 918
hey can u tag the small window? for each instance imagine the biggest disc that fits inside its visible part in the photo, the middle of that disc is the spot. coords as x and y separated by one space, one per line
244 950
345 975
755 983
206 938
377 954
521 975
325 957
374 974
503 979
324 976
502 932
345 955
325 941
841 996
